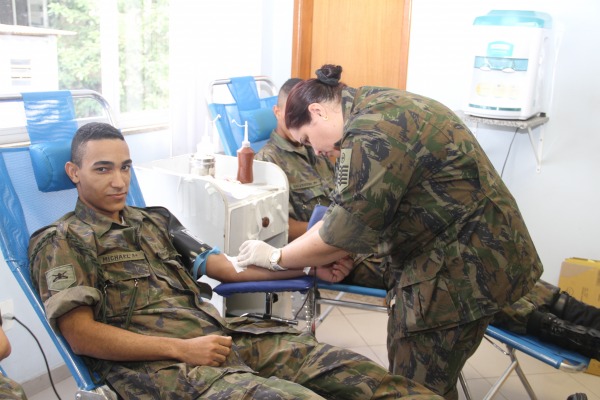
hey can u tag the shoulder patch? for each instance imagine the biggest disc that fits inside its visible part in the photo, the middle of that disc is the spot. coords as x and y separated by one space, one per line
343 173
60 278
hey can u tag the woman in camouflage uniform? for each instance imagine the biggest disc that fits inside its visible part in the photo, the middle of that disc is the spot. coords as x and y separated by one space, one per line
412 184
311 180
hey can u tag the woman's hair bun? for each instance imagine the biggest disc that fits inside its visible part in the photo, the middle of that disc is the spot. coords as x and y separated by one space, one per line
329 74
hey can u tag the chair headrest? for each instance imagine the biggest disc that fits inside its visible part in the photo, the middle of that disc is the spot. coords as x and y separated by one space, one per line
48 160
261 123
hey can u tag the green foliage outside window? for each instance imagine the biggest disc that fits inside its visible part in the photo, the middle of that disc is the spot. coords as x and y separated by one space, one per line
143 50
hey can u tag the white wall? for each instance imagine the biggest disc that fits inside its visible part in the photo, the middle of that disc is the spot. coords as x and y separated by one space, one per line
221 39
560 204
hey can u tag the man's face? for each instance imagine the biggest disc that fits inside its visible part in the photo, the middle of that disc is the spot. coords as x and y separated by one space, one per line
103 178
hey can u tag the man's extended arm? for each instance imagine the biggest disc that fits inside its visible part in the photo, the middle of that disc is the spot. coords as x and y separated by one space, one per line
218 267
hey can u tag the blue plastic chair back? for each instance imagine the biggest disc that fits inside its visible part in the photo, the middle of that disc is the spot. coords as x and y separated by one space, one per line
249 107
25 208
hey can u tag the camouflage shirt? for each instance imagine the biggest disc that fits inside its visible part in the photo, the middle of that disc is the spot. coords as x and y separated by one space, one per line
310 176
10 390
413 184
85 258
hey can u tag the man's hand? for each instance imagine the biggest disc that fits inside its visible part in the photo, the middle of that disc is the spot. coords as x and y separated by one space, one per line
211 350
255 252
336 271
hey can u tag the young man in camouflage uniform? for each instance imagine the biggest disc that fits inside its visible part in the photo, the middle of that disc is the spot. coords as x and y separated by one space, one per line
413 185
114 285
311 180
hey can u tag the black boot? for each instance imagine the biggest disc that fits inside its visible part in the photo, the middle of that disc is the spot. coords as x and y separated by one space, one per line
550 328
570 309
577 396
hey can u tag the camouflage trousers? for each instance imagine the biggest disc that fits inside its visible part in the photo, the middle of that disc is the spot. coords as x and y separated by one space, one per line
10 389
276 367
515 316
434 358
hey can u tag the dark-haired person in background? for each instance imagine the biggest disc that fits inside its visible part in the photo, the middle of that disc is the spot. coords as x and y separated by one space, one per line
413 185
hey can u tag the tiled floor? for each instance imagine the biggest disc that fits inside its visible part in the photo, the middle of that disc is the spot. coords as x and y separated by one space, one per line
365 332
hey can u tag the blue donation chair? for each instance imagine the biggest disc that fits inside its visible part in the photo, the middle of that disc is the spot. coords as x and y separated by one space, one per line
555 356
253 101
36 191
303 285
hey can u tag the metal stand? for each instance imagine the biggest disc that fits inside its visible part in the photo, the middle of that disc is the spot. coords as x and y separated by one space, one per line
528 125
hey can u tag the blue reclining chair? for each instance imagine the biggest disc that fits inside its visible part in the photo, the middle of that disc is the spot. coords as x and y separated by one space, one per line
247 106
303 285
36 191
555 356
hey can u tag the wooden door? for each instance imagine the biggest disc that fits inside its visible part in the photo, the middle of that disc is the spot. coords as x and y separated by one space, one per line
368 38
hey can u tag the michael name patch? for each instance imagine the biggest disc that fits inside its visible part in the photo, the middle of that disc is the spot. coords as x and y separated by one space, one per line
121 257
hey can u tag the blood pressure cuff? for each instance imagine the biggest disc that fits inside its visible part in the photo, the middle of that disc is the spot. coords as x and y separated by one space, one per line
193 251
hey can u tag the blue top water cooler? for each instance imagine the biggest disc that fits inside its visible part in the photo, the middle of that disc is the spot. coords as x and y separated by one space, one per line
510 64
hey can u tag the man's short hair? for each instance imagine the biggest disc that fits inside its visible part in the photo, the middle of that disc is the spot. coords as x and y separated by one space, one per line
88 132
286 88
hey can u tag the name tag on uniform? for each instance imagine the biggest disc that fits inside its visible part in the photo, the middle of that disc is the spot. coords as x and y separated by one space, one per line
121 257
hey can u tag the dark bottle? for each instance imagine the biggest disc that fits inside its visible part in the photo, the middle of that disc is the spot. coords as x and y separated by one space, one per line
245 156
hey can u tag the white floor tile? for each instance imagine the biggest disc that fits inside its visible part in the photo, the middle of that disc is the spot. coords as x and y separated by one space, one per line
337 330
66 390
382 354
478 388
372 326
488 361
591 383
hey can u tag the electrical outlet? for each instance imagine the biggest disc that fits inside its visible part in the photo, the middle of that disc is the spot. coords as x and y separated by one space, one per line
7 307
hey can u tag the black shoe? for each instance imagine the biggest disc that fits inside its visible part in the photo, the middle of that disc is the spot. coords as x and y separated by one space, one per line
570 309
552 329
578 396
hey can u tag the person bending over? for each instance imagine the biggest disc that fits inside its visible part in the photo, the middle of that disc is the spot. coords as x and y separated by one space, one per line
414 186
311 179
